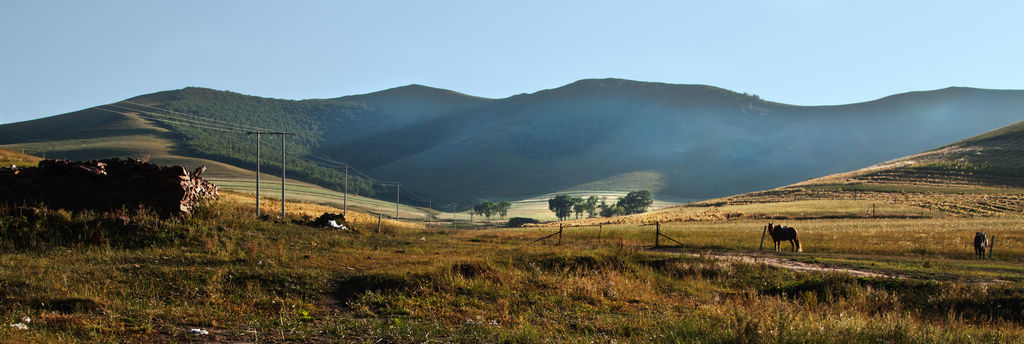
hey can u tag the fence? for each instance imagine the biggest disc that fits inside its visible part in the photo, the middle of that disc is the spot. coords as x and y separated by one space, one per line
601 235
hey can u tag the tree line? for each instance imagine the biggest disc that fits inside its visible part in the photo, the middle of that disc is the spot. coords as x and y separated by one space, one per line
634 202
488 209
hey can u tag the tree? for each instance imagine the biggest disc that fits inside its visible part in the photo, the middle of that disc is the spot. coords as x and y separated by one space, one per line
561 205
578 206
480 209
488 209
502 208
591 206
611 210
636 202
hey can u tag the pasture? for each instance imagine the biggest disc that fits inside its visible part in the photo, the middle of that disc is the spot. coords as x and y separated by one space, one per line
256 281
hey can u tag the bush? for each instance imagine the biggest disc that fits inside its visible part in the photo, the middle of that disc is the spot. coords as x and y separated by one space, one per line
517 222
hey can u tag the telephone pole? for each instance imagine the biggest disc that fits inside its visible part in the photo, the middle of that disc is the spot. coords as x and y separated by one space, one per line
430 209
282 178
344 210
257 172
283 134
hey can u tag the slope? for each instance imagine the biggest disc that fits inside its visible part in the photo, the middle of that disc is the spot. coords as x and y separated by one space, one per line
9 157
210 125
681 141
979 176
688 141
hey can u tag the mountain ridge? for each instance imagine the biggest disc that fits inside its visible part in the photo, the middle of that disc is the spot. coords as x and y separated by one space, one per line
691 141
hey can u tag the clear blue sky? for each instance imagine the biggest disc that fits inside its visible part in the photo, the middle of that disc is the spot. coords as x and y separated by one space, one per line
61 56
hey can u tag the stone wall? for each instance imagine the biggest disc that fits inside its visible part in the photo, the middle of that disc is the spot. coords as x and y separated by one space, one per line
109 184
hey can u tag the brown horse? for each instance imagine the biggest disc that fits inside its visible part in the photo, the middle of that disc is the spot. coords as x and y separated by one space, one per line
780 234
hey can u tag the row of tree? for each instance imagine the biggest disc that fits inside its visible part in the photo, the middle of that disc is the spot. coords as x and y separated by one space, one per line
488 209
633 203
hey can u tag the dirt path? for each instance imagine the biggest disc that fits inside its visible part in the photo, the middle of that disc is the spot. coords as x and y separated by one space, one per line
782 262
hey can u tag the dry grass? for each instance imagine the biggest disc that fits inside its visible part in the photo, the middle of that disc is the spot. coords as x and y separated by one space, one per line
302 210
246 280
9 157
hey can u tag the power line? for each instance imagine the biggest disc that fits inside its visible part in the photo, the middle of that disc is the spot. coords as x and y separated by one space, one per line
201 122
161 116
249 127
170 121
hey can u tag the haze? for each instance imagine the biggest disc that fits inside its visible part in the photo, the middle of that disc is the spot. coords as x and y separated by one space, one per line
66 56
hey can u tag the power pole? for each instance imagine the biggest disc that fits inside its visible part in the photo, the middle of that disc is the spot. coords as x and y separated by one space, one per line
257 172
345 207
282 178
430 209
283 134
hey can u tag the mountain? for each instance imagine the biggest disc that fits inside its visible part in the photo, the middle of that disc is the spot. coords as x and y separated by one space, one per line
681 141
687 141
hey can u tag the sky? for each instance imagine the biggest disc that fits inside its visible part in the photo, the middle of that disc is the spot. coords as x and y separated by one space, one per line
63 56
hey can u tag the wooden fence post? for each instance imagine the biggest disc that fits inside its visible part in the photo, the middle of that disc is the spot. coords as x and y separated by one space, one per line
559 233
761 246
991 242
378 223
657 234
599 228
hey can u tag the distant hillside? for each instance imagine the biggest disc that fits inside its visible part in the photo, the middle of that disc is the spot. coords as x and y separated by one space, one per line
979 176
691 141
681 141
190 122
995 158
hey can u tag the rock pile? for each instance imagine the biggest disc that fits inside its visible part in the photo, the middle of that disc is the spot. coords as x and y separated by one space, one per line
109 184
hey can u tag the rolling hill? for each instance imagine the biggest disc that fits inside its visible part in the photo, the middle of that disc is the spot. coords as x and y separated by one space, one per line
979 176
688 141
685 142
992 159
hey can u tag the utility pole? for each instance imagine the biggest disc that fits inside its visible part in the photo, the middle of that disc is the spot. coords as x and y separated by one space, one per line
257 174
282 178
398 195
430 209
283 134
344 210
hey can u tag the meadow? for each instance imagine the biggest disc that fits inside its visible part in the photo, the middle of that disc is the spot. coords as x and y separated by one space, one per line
80 280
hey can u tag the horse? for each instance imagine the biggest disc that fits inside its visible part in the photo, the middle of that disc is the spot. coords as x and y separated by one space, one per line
980 242
780 234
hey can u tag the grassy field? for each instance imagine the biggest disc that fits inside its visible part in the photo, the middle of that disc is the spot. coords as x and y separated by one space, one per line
245 280
10 157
